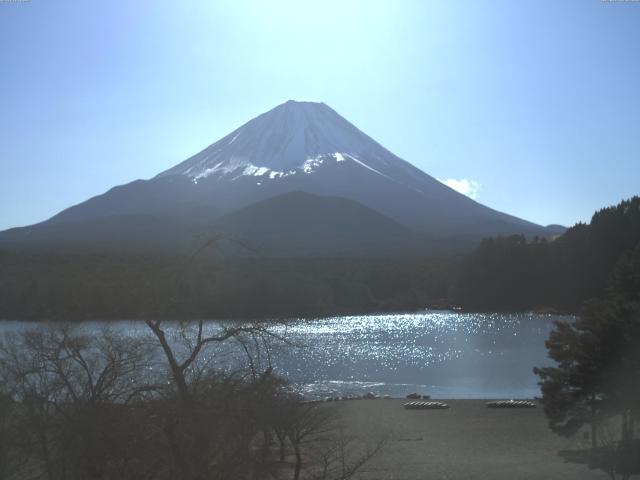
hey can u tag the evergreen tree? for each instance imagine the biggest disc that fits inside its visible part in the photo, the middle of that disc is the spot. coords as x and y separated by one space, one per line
597 376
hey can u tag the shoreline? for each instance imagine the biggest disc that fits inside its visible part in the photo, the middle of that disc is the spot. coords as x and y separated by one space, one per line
466 441
301 317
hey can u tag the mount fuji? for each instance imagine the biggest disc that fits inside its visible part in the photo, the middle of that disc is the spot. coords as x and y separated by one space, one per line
297 171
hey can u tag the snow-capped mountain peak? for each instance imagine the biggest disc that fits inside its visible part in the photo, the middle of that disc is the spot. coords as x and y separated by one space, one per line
293 138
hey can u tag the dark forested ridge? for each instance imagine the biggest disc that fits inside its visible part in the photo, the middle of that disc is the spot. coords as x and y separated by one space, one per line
511 273
83 286
502 274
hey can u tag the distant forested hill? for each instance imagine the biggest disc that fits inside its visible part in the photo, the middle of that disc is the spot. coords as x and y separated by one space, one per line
511 273
87 286
502 274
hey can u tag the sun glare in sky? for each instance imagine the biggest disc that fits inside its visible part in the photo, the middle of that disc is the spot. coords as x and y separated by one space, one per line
537 102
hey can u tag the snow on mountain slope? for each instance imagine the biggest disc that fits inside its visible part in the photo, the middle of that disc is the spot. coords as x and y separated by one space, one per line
292 139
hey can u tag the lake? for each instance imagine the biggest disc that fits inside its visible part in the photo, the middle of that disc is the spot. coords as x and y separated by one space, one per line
444 354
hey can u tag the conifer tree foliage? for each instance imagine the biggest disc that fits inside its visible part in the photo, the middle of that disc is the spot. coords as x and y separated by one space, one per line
596 380
514 273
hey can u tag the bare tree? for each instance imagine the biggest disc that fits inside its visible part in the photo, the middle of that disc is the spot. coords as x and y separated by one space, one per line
71 393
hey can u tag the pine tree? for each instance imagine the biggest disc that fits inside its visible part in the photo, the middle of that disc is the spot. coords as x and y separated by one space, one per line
597 376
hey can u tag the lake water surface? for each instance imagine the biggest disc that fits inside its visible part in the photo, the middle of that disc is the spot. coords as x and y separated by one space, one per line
442 353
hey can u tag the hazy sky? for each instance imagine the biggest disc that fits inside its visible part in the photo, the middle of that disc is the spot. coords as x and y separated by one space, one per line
533 106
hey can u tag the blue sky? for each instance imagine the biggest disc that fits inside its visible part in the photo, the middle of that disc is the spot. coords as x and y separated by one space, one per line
534 107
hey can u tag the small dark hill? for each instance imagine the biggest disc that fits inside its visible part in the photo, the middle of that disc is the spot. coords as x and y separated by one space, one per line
299 223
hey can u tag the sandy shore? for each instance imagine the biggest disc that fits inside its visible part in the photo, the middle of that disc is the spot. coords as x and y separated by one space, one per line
467 441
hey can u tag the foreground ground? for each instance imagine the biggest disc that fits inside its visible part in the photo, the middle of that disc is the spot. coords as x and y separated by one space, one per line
468 441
